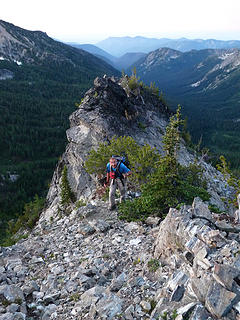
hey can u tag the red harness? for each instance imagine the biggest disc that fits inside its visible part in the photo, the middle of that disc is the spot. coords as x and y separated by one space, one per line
112 175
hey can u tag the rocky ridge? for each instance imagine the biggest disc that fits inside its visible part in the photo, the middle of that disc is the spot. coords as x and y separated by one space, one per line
77 262
107 110
111 109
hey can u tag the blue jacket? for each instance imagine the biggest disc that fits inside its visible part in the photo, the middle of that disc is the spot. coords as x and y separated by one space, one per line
122 169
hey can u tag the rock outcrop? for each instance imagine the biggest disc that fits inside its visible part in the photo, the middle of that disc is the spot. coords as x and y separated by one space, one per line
110 109
106 111
203 265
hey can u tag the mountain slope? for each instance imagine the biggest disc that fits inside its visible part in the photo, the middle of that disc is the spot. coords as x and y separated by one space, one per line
35 47
207 84
95 51
41 80
128 59
119 63
118 46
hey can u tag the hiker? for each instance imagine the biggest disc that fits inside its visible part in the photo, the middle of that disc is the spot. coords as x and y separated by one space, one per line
237 212
116 174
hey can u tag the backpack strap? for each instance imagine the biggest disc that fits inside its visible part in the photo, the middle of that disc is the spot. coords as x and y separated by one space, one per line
120 174
111 170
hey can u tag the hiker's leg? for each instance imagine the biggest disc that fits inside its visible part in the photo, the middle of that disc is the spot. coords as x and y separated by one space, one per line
112 191
122 190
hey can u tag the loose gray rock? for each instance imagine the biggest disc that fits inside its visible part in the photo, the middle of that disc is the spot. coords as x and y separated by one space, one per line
11 293
86 229
200 313
146 306
226 275
178 293
129 312
100 225
13 308
49 311
201 209
219 301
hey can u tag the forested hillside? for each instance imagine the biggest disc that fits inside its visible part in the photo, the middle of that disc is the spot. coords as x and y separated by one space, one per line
36 97
207 84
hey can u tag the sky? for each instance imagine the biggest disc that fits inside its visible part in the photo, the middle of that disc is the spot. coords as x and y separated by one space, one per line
90 21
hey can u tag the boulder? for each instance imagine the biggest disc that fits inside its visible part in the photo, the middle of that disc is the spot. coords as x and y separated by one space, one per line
219 301
208 262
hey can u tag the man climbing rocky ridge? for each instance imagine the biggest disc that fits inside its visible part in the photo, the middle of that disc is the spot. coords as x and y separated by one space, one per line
110 109
85 263
106 111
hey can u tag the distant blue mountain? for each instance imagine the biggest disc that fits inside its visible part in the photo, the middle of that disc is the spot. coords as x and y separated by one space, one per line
102 54
121 63
128 60
118 46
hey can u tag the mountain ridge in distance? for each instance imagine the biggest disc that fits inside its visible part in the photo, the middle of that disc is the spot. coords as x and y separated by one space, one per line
93 49
118 46
120 63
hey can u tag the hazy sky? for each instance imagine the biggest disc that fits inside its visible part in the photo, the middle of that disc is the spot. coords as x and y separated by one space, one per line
88 21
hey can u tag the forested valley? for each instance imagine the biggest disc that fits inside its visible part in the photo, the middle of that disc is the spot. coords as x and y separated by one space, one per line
35 105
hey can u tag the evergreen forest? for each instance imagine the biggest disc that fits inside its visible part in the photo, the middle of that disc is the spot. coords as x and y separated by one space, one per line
35 106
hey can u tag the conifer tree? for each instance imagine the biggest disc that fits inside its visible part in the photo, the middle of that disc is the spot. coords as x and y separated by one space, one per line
66 193
170 184
171 139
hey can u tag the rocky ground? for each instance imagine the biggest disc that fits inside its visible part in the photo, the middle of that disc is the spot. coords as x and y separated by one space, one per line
91 265
79 267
